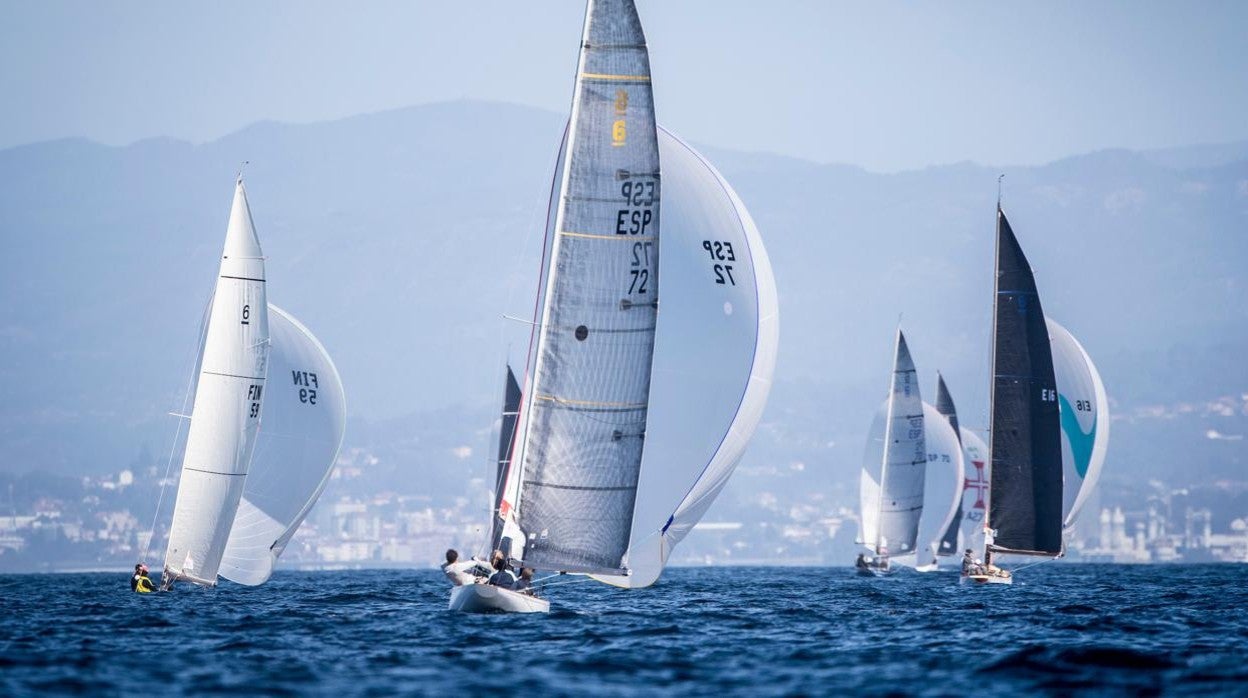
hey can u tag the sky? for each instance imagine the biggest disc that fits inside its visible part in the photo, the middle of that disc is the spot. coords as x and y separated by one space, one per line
885 85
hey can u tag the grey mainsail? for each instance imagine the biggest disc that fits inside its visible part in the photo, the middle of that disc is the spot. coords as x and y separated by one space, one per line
506 438
1025 497
585 415
945 406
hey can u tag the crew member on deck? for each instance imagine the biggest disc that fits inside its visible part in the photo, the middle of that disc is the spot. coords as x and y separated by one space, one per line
140 582
525 583
969 564
861 562
461 573
502 577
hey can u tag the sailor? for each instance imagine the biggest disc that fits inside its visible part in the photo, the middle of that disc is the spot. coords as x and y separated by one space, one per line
140 582
861 562
502 576
525 583
461 573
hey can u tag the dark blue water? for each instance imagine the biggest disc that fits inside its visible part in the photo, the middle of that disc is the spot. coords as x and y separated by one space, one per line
1060 629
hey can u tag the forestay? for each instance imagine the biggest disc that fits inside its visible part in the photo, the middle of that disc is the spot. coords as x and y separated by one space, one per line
303 422
226 410
586 413
714 356
891 485
1025 501
1084 410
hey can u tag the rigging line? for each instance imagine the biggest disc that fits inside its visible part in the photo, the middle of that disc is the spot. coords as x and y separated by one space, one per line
177 434
575 580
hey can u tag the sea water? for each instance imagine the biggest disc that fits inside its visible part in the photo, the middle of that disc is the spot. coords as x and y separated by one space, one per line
1060 628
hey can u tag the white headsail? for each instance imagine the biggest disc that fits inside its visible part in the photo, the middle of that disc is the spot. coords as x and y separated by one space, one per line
226 413
894 465
304 422
714 357
1085 419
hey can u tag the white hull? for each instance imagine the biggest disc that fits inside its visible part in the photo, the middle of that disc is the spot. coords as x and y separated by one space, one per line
483 598
978 579
931 567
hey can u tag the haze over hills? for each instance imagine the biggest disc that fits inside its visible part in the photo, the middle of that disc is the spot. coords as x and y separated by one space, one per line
401 238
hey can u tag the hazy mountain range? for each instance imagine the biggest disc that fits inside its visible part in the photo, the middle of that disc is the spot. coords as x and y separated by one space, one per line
402 238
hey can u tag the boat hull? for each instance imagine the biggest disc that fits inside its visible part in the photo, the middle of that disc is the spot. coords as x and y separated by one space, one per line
484 598
978 579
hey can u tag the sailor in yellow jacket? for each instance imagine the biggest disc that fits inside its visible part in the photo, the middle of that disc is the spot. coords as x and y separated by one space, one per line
140 582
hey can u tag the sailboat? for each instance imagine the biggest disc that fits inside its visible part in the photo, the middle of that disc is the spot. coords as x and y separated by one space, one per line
243 493
1084 409
893 471
1025 493
943 484
630 420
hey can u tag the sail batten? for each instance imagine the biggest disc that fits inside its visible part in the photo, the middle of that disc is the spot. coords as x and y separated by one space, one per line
1025 497
585 417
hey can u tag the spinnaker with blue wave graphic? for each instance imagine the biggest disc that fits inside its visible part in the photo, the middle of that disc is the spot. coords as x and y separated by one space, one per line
1085 420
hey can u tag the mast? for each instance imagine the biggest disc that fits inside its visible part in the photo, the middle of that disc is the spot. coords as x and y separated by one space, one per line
992 380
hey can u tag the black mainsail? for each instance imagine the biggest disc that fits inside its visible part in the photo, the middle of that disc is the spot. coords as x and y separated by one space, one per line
945 406
1025 497
506 437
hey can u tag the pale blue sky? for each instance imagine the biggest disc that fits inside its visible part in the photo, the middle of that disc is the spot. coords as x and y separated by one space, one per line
885 85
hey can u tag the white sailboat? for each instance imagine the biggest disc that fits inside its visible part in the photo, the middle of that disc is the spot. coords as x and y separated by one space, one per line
893 472
1024 515
631 420
225 418
1085 420
242 493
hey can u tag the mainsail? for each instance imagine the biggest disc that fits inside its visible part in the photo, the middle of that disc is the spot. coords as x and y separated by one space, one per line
585 415
304 419
226 413
894 466
506 439
1025 500
1085 420
948 544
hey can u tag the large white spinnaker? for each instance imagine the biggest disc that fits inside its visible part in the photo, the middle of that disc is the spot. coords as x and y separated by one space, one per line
894 465
304 422
714 356
1085 420
225 417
